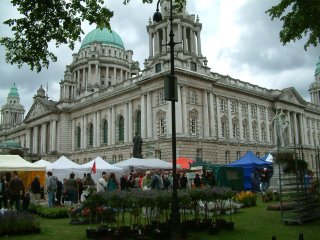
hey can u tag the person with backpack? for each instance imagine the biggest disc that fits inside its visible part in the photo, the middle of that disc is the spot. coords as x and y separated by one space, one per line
51 184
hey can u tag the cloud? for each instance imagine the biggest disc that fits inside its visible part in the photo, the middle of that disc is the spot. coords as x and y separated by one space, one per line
238 38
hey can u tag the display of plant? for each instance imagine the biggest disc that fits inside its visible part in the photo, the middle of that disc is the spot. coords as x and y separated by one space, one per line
12 222
48 212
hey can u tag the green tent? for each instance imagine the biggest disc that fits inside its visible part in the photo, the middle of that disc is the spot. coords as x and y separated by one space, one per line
226 176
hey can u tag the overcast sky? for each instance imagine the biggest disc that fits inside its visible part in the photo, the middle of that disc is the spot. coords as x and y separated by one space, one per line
238 39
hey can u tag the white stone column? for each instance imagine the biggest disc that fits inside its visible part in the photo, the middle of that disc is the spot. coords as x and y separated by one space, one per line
97 74
185 43
126 123
98 129
218 117
229 119
114 76
301 133
184 109
206 126
107 76
143 116
267 125
178 112
259 123
250 122
113 126
149 115
289 128
295 125
94 124
28 138
54 135
240 120
85 132
73 137
130 123
89 75
150 45
82 132
199 43
109 126
43 138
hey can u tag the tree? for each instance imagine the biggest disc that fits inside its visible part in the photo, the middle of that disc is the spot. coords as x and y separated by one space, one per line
58 21
300 18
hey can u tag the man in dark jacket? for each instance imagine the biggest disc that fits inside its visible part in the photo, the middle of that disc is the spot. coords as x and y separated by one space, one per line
35 190
16 187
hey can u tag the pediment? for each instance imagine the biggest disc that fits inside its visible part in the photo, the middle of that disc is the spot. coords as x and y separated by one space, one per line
37 109
291 95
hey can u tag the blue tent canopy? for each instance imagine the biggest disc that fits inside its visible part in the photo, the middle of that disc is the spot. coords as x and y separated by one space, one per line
249 162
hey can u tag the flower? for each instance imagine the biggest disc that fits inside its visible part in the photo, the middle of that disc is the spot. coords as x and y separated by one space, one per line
248 198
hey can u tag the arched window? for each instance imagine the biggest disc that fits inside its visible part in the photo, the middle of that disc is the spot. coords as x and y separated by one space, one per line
138 124
121 129
91 135
78 137
105 132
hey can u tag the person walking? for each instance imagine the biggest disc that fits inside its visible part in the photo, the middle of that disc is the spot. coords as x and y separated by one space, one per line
184 181
17 191
3 190
35 194
51 185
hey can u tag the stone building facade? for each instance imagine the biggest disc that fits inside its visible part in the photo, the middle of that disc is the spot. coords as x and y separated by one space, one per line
105 99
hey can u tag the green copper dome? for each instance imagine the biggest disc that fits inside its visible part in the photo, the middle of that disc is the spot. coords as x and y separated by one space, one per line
317 68
13 91
104 36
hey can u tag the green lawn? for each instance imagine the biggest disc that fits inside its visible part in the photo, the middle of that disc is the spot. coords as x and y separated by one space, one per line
256 223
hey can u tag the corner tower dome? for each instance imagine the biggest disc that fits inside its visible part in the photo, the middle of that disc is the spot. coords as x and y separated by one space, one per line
104 36
13 91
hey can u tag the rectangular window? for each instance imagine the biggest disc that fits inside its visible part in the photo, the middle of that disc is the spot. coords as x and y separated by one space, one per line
234 130
227 156
193 66
158 67
223 105
234 106
162 127
253 110
238 154
244 109
224 130
193 126
161 99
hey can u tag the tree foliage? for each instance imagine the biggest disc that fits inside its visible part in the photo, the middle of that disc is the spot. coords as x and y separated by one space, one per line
43 22
300 18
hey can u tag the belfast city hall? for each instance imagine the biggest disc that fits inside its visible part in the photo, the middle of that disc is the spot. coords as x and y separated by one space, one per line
106 99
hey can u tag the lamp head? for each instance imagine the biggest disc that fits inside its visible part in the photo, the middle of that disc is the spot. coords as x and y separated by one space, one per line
157 16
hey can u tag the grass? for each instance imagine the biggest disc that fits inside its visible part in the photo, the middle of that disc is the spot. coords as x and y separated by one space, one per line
256 223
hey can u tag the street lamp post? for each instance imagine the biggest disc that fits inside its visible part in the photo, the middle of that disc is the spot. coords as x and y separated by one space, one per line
171 95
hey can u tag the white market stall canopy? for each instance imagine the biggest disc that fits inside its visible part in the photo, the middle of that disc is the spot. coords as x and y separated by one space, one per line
42 163
17 163
101 165
63 163
146 164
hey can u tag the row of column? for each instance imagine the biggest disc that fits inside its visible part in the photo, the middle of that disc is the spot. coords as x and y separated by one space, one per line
190 38
315 97
87 75
97 123
11 117
41 139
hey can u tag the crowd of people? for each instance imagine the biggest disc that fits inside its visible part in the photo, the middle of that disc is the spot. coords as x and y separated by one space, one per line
71 190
